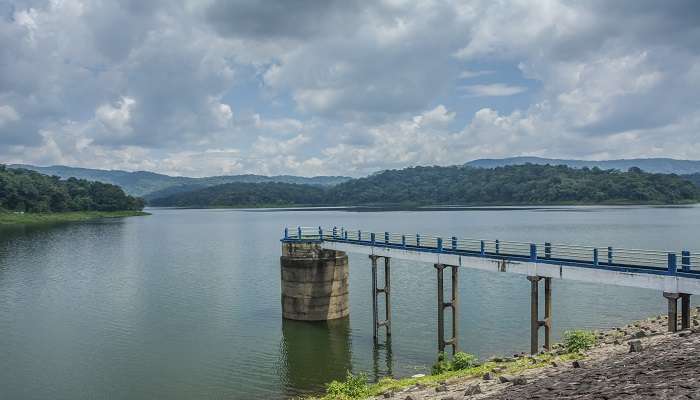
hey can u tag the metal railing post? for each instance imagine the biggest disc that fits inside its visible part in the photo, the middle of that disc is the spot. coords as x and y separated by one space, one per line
439 244
610 255
403 240
286 232
454 243
685 261
533 252
386 237
498 247
320 233
672 265
359 235
371 238
417 239
299 232
595 257
482 249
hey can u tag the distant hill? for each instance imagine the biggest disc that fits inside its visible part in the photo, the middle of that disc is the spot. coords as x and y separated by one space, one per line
458 185
151 185
655 165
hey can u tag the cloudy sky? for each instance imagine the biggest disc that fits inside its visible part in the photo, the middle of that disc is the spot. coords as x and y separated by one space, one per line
341 87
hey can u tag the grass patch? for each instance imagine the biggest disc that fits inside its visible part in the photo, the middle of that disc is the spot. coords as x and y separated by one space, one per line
358 387
11 218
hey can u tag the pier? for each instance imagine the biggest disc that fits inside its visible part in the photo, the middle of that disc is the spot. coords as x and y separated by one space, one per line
676 274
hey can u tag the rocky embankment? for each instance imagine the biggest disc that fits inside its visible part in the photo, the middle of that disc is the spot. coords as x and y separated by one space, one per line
638 361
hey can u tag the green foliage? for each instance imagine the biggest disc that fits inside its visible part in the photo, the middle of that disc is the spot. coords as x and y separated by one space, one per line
23 190
458 185
354 387
578 340
463 361
459 361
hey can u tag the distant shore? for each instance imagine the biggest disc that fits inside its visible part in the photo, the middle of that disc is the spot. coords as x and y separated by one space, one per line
14 218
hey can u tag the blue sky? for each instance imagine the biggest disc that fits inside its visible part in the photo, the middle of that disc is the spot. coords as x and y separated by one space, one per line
342 87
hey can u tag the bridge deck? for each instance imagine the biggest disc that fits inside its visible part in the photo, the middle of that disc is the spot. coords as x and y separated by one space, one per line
652 269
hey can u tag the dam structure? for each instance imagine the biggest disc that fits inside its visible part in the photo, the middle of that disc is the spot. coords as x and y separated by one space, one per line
675 274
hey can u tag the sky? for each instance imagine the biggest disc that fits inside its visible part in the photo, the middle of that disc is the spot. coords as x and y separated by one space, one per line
344 87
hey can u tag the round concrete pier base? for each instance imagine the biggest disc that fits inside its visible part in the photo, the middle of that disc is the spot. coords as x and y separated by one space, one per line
314 282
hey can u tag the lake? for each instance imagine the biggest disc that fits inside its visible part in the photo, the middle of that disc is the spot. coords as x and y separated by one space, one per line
185 304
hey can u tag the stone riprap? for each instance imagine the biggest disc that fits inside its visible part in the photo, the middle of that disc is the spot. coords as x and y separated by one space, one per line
638 361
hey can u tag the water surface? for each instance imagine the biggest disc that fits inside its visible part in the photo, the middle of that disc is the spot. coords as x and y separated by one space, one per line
185 304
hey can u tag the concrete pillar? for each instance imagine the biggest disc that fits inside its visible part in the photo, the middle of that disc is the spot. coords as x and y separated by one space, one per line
441 306
548 314
672 310
376 291
534 313
453 304
314 282
685 311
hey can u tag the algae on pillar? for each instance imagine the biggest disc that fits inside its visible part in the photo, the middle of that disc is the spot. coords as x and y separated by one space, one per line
314 282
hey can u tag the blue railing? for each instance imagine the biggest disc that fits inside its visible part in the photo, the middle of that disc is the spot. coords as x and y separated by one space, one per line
683 263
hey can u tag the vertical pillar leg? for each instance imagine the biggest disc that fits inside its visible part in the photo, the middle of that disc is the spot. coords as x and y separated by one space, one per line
548 314
375 321
685 311
455 308
441 305
672 311
534 312
387 294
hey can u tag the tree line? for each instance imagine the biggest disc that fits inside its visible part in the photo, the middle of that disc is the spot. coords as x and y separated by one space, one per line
458 185
22 190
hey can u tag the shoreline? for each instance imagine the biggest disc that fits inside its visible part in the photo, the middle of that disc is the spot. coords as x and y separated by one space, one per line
525 376
25 219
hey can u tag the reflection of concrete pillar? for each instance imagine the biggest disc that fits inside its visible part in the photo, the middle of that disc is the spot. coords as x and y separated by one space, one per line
314 282
313 354
672 310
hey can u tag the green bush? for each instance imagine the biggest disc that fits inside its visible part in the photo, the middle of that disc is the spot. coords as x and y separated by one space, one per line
354 387
463 361
459 361
441 365
575 341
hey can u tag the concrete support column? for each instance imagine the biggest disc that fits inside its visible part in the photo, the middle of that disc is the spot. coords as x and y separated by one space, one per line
376 291
685 311
672 310
548 314
442 305
535 322
314 282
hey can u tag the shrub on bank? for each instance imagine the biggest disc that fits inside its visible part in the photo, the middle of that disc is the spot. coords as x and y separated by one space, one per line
460 361
579 340
354 387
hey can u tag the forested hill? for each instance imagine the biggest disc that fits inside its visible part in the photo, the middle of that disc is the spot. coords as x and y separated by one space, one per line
29 191
246 195
152 185
460 185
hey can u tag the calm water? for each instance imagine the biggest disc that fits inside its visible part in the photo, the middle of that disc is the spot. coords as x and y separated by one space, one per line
185 304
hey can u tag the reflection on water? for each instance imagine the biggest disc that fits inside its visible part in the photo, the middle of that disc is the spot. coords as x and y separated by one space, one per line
314 352
382 360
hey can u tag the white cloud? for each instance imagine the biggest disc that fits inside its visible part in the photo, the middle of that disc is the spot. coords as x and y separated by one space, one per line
8 114
468 74
233 86
494 89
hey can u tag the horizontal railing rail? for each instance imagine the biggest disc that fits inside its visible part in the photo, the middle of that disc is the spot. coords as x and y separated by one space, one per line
683 262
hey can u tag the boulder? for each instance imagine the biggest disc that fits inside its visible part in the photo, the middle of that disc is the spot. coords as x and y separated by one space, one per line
635 346
472 390
577 364
489 376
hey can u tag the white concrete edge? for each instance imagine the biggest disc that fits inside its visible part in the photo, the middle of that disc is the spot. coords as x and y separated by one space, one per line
672 284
